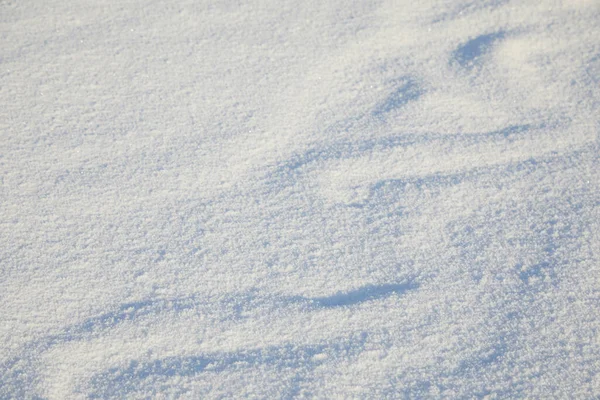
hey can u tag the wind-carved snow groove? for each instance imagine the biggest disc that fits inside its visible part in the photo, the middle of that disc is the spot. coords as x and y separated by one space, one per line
20 372
403 91
406 92
347 180
145 375
443 181
470 54
360 295
349 150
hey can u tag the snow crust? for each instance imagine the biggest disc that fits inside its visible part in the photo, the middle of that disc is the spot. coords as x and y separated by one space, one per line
282 199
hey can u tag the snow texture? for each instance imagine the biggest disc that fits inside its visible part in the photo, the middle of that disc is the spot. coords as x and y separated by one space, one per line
283 199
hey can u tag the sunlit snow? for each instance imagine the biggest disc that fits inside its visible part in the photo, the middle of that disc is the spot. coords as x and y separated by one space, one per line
299 199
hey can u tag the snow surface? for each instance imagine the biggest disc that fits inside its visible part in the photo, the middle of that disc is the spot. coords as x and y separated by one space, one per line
282 199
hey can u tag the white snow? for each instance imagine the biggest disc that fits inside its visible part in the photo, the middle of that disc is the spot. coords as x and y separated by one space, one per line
282 199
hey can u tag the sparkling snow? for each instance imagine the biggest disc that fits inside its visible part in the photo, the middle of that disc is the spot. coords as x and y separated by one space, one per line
283 199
